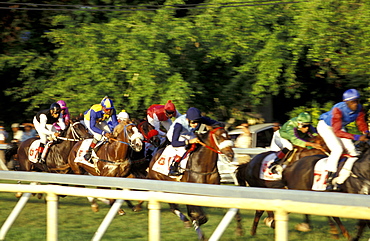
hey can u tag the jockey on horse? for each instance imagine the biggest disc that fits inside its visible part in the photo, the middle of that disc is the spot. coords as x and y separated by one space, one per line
182 133
296 131
95 119
162 114
44 124
64 114
331 127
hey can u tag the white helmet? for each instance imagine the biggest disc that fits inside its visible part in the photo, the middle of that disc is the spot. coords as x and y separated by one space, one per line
123 115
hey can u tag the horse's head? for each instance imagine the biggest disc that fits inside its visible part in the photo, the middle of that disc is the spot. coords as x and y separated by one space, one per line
150 133
75 131
127 132
218 139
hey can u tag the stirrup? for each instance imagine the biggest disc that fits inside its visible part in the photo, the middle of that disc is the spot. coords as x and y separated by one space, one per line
174 171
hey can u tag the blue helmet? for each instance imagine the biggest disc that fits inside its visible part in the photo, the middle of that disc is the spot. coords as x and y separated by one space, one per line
107 103
350 94
193 114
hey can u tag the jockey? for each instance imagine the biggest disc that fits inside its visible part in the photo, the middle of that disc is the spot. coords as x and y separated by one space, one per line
123 115
95 120
162 114
43 122
296 131
182 132
64 114
331 127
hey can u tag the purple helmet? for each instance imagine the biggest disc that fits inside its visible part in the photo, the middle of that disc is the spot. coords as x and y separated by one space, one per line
62 104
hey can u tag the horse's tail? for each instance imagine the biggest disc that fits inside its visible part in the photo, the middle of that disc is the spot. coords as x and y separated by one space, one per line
241 174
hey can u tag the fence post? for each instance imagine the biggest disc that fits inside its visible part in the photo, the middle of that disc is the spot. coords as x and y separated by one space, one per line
281 225
52 216
154 220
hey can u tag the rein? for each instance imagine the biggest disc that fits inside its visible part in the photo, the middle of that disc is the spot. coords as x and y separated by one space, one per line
125 134
75 135
211 148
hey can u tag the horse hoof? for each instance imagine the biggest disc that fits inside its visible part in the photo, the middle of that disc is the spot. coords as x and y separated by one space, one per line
136 209
95 208
303 227
18 194
187 224
121 212
268 221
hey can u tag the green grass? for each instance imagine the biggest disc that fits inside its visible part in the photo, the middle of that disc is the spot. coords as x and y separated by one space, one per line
78 222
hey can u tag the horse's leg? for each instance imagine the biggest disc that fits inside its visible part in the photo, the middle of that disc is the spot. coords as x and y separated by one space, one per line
239 227
256 219
198 218
175 209
305 226
137 207
361 224
94 204
333 229
269 220
342 228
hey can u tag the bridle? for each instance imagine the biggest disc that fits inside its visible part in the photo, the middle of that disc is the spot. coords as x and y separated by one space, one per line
135 135
75 136
225 143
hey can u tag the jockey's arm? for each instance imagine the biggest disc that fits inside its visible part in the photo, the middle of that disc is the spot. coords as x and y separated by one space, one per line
156 123
43 120
93 120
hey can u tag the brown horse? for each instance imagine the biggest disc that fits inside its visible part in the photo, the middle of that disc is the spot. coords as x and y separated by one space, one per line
249 173
300 176
57 155
201 168
112 158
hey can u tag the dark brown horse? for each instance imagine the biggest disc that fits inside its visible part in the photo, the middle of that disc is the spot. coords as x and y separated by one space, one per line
249 174
57 155
201 168
300 176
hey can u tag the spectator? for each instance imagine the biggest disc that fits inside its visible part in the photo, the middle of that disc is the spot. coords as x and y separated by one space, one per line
17 133
28 132
244 140
2 154
4 132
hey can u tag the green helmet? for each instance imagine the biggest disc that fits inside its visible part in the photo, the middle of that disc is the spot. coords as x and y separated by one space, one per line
304 117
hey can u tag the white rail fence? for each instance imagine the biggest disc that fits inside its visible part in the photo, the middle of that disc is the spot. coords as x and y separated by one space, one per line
280 201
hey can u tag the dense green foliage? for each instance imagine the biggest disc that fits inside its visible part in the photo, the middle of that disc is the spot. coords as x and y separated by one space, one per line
227 61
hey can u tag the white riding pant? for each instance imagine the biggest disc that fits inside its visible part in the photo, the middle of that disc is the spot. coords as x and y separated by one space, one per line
44 131
278 143
336 146
101 125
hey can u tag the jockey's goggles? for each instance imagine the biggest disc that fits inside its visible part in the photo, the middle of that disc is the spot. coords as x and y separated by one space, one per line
303 125
169 112
194 121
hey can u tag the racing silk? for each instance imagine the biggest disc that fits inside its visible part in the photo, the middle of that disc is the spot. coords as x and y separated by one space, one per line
159 112
340 116
40 117
96 114
65 117
181 128
291 132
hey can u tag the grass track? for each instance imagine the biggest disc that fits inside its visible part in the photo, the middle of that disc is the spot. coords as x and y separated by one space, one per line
78 222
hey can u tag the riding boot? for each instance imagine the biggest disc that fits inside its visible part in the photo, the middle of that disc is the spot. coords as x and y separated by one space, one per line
329 182
174 169
279 156
88 154
40 151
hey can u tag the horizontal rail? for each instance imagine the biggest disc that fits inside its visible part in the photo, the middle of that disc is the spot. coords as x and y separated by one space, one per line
193 188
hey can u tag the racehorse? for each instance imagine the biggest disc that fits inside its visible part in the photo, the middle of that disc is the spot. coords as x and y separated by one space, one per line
200 168
112 158
57 154
300 176
249 173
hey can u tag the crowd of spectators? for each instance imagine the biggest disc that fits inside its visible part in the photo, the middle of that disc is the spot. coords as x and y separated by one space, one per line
18 133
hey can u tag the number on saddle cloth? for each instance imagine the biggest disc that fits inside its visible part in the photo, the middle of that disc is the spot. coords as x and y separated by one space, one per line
170 154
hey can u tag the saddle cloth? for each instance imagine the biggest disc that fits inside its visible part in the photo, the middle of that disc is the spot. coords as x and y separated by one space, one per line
33 151
162 164
265 172
82 151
